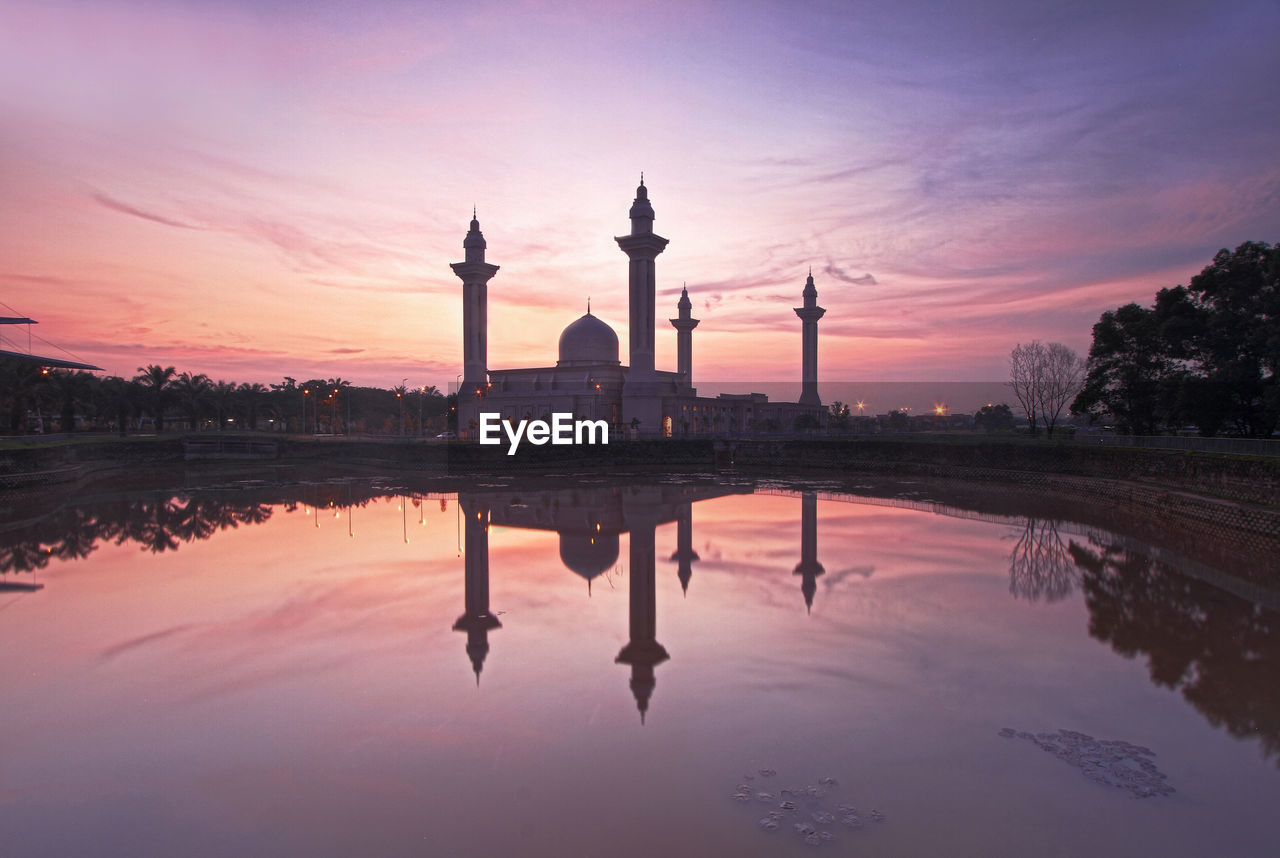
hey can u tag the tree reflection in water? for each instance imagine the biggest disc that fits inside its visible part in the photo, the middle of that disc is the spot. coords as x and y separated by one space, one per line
157 523
1040 565
1219 650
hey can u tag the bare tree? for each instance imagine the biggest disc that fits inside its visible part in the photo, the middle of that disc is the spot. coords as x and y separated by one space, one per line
1044 378
1025 371
1061 374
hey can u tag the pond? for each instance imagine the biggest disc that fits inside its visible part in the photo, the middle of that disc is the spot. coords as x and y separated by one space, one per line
675 666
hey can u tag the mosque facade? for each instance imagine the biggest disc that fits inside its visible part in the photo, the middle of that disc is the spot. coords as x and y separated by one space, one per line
589 379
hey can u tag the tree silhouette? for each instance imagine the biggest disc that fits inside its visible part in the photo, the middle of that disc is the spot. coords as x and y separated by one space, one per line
156 388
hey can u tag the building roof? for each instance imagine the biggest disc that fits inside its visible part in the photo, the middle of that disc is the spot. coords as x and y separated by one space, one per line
588 341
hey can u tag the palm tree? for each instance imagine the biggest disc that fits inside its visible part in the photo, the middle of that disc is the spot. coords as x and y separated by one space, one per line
193 392
251 395
18 381
156 383
70 390
400 390
224 401
339 386
117 398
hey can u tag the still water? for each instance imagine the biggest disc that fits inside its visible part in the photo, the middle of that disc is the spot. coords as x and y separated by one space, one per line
680 667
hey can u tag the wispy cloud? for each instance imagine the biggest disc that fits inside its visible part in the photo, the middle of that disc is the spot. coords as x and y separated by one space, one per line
125 208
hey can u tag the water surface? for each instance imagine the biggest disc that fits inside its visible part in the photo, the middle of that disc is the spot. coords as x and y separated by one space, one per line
600 669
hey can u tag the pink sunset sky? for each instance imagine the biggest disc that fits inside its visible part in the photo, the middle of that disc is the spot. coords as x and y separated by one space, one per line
254 190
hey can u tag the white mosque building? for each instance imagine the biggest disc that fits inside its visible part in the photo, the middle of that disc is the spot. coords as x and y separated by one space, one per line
589 379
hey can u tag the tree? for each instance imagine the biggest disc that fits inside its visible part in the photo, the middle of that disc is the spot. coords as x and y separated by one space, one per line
118 399
840 419
1207 353
252 395
1235 341
70 390
1025 368
224 395
806 422
1061 372
1128 370
193 392
400 390
156 385
994 418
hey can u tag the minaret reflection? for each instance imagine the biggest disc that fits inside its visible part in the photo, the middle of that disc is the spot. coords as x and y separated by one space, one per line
588 522
809 568
643 652
477 621
685 555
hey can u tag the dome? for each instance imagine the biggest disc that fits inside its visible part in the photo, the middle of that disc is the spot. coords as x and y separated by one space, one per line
588 341
588 554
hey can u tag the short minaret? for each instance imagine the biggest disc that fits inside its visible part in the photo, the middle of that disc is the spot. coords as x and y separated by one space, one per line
809 315
808 568
684 325
475 274
685 555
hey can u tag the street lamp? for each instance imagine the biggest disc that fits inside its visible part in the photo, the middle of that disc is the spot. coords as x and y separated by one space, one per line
400 399
306 391
421 392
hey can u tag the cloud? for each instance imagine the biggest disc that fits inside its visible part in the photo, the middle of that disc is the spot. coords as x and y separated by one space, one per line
840 274
125 208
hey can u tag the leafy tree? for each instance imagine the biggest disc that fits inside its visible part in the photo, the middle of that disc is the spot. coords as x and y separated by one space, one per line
994 418
806 421
1236 345
1207 353
840 419
1128 370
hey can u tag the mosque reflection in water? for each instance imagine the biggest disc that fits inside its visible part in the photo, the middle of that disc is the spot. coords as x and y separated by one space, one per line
1203 631
589 522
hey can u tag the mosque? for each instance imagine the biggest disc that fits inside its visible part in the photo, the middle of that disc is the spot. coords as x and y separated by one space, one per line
589 380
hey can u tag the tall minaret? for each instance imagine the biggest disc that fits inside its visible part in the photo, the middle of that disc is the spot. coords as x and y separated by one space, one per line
809 315
640 398
808 568
475 274
684 326
643 652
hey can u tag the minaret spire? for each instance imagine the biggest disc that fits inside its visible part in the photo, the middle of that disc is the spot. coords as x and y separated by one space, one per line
809 315
808 568
642 399
684 324
475 274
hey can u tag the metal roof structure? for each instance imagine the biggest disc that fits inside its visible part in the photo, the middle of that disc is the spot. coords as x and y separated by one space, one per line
37 360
